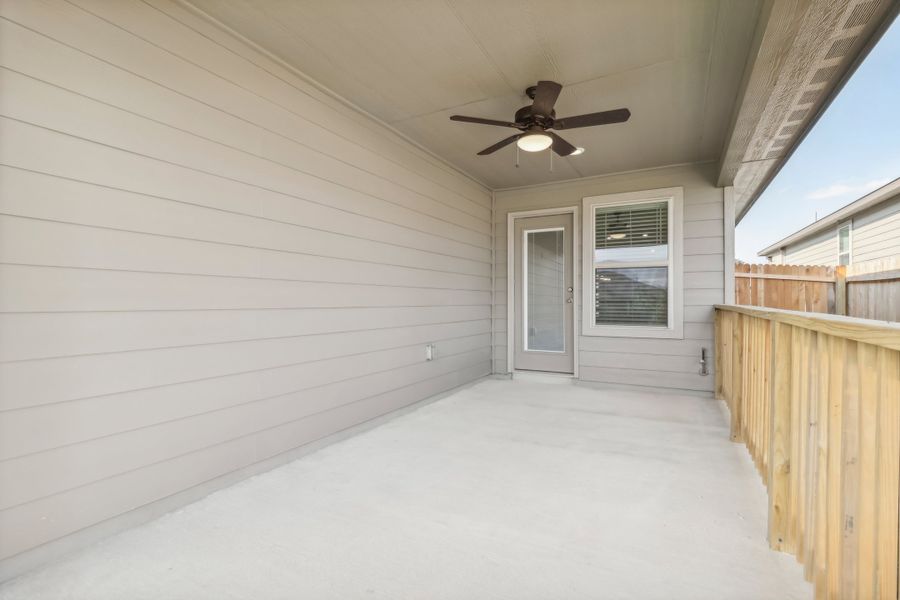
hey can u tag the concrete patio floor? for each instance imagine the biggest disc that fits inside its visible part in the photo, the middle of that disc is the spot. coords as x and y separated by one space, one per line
507 489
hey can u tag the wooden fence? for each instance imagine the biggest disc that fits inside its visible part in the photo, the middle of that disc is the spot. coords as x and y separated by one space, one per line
866 290
873 290
816 400
791 287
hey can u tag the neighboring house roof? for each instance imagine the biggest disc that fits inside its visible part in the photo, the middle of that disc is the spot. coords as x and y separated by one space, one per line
885 192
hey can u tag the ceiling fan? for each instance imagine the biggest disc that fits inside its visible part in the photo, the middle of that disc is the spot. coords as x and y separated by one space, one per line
536 121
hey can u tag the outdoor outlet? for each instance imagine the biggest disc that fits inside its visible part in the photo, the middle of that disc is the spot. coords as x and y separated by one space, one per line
429 351
704 369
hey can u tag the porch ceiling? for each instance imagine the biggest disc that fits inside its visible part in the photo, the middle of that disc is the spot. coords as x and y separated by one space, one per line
735 81
676 65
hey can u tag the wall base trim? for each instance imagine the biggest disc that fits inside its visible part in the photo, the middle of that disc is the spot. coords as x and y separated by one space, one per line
600 385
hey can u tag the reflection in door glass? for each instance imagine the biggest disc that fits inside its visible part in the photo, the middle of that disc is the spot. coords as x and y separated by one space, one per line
545 291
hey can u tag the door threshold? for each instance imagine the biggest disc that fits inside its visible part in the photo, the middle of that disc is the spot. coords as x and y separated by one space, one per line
544 377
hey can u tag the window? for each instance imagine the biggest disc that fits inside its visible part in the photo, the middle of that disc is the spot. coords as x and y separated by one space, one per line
844 244
632 264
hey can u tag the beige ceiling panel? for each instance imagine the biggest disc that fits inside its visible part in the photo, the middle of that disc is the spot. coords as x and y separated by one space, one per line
574 41
664 127
394 58
675 64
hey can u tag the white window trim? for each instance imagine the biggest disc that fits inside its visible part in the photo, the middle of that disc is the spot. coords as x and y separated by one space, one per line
728 232
849 226
675 329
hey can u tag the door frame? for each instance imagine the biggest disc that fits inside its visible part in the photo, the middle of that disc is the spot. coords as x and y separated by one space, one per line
511 280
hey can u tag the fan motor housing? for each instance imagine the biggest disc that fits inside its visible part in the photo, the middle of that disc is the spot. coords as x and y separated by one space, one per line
524 116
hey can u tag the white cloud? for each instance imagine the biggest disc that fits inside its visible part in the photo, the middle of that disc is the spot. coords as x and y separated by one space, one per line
842 189
831 191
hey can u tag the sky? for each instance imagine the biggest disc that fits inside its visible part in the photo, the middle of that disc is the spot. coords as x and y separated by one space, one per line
852 150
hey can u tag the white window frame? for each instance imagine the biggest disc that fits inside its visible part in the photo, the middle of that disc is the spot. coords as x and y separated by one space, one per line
674 196
849 226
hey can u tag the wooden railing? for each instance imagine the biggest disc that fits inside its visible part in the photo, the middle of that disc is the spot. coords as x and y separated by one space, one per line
816 400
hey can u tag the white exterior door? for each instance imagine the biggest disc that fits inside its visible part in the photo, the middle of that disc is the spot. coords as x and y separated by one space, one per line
544 294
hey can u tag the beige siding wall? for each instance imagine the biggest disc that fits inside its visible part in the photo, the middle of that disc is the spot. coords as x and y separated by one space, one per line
876 232
207 262
875 236
667 363
820 249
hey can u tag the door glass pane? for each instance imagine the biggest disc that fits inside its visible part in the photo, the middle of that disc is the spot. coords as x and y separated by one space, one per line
545 291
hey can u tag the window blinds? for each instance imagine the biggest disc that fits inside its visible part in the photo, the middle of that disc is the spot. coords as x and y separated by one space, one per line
631 226
631 275
632 296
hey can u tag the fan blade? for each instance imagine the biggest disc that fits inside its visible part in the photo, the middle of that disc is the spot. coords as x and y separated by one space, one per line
498 145
619 115
545 97
561 146
481 121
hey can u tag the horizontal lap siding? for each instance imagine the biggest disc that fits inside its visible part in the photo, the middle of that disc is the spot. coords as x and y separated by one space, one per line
821 249
875 236
206 262
654 362
876 232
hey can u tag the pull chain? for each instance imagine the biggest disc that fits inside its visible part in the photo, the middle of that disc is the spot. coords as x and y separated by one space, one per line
517 156
550 152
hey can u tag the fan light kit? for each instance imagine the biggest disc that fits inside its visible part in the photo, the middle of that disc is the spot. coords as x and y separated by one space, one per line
534 142
536 121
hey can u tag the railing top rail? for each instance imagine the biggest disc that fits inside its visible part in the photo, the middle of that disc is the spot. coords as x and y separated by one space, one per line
869 331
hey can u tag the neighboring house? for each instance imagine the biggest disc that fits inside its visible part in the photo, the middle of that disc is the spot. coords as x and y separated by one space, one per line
865 230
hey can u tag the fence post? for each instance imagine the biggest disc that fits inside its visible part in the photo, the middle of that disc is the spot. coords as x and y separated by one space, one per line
840 290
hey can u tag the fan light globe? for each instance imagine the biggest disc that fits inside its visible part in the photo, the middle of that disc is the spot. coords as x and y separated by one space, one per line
534 142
